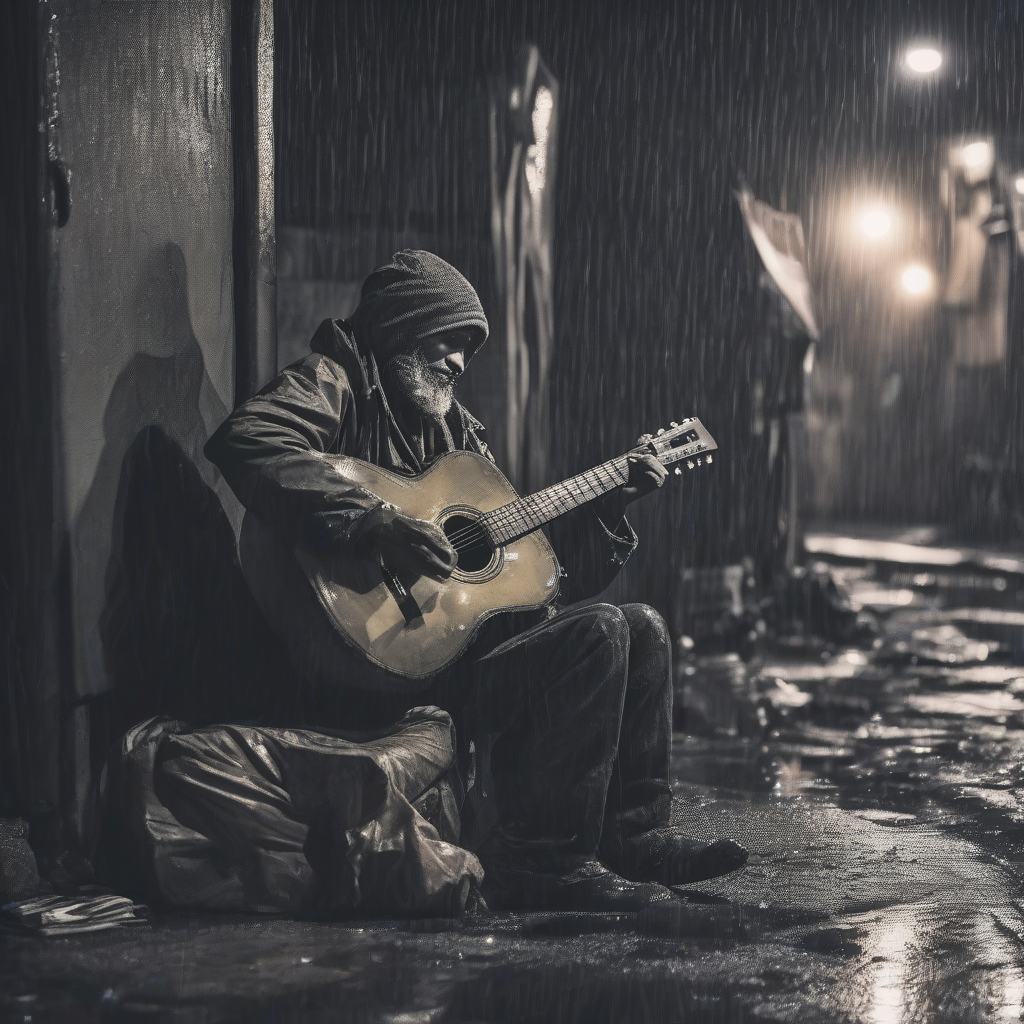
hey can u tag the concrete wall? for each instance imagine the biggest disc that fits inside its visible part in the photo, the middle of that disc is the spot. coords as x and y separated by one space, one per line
158 123
143 292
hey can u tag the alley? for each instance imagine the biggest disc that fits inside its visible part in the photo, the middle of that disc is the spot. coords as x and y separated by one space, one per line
876 787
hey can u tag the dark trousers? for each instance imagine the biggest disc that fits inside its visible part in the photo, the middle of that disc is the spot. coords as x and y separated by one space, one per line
571 721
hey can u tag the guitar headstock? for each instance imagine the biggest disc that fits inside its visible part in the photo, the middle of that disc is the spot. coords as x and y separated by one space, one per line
688 439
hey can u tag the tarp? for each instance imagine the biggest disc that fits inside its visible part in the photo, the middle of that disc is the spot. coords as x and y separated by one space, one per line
779 238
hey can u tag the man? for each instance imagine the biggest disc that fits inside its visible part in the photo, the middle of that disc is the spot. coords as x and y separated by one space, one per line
569 714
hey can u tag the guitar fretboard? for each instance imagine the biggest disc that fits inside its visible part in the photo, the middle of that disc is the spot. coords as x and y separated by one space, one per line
523 516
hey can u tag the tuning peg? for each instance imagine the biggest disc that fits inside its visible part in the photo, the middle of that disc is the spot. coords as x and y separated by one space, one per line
699 463
644 439
677 471
689 463
673 424
707 458
660 431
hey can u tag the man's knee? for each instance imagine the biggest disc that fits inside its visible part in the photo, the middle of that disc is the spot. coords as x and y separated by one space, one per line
609 626
646 626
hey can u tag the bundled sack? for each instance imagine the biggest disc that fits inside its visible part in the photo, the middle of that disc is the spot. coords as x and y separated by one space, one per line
301 821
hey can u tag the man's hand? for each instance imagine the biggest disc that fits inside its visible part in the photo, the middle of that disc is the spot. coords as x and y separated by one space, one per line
419 544
646 474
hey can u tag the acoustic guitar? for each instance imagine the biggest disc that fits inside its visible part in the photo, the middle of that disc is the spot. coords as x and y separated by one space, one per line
413 626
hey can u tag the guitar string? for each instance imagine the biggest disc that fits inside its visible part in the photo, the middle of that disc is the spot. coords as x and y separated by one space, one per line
547 501
541 504
523 510
572 492
538 506
550 500
557 499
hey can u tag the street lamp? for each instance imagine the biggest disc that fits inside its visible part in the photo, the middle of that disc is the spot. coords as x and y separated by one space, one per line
923 60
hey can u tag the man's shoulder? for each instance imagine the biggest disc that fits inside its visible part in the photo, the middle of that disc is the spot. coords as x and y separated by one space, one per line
334 340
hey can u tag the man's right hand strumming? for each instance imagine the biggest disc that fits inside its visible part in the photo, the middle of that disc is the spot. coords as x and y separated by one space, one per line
417 543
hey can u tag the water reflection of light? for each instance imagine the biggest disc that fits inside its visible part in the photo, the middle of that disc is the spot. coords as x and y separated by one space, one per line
537 154
1012 1002
891 946
902 941
791 778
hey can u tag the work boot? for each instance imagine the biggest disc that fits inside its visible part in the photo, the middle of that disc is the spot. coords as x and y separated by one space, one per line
517 880
667 856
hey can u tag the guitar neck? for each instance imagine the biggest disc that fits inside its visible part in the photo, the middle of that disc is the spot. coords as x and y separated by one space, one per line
523 516
688 440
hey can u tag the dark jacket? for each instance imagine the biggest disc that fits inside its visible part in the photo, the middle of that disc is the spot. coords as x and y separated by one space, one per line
332 402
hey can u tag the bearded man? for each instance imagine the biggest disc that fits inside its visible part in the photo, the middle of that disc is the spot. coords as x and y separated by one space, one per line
568 711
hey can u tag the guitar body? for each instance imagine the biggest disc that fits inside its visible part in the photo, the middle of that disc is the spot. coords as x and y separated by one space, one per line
360 619
408 626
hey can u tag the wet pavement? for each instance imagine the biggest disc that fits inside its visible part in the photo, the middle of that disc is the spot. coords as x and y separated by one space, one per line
879 791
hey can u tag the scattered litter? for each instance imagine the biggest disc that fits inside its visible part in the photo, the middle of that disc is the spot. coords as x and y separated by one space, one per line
72 915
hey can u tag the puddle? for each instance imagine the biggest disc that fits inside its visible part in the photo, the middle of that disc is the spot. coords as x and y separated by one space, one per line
995 704
881 817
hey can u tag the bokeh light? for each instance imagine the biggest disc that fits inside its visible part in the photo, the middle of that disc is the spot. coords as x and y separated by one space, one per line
976 154
917 279
876 222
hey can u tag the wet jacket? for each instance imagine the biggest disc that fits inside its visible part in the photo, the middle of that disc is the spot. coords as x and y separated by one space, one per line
270 451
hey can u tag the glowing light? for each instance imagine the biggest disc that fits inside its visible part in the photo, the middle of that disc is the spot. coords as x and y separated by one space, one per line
1019 184
876 222
924 60
917 279
977 154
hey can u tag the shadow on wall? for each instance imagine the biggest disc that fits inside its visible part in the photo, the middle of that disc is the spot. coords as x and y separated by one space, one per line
176 631
182 635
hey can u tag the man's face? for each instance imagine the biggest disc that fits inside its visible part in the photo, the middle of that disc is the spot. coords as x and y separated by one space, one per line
425 376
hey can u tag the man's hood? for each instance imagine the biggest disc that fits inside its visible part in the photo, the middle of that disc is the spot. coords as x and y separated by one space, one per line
414 296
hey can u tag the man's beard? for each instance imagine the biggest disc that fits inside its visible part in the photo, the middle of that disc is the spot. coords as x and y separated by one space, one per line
425 389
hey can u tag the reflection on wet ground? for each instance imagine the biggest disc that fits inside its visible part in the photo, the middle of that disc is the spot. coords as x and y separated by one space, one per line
878 791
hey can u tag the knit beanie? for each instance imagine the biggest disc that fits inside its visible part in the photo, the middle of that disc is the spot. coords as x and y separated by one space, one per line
415 296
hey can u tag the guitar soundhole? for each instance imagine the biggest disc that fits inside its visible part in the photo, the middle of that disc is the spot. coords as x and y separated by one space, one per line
467 536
